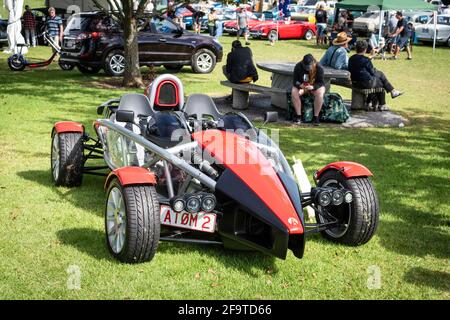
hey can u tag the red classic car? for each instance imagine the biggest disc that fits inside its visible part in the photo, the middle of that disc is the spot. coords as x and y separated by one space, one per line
257 18
286 30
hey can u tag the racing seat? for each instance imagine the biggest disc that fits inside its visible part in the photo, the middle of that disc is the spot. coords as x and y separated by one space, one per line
201 107
165 93
136 102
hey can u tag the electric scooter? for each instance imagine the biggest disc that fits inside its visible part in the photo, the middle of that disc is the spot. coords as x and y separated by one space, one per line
18 62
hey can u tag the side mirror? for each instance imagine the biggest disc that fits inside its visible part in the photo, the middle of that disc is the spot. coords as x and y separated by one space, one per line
125 116
270 116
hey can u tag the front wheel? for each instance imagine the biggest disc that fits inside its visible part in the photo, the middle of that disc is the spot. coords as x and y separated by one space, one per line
132 222
67 159
309 35
16 62
273 35
203 61
356 221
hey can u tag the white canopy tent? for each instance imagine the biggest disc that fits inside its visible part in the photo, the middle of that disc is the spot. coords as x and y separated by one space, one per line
14 28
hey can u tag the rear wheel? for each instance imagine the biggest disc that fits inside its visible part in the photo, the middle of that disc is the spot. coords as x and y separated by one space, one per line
88 69
16 62
67 159
273 35
66 66
309 35
203 61
358 220
132 222
115 63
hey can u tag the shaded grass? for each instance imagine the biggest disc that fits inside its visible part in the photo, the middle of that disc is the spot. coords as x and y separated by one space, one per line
45 230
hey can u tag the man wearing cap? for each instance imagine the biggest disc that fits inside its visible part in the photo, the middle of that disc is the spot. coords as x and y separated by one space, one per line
402 32
308 79
336 56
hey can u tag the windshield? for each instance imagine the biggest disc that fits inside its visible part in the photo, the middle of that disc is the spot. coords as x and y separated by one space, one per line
370 15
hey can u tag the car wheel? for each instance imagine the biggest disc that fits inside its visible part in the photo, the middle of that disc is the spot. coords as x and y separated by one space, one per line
173 67
273 35
115 63
16 62
88 69
67 159
309 35
132 222
203 61
358 220
448 42
66 66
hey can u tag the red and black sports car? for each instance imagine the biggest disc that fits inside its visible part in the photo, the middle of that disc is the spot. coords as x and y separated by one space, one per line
184 172
284 30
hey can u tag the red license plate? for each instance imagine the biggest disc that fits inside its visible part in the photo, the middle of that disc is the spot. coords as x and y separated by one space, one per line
201 221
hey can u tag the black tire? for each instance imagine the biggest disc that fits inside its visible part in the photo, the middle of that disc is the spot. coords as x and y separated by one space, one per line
173 67
16 62
67 148
309 35
142 227
361 216
206 54
273 35
114 63
88 69
66 66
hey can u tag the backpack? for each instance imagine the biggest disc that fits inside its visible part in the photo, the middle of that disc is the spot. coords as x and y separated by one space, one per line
333 109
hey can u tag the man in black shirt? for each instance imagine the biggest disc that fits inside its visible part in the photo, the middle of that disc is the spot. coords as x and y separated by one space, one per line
402 32
308 79
321 24
240 67
365 76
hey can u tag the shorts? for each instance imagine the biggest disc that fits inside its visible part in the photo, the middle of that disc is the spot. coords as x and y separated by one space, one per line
242 31
321 27
402 42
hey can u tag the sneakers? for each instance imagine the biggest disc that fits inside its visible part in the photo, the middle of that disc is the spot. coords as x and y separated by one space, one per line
316 122
384 107
247 43
297 120
395 94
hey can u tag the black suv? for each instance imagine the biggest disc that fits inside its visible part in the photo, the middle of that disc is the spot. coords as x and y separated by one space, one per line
94 41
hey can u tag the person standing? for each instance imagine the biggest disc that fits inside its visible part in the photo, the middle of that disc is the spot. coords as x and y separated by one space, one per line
350 20
308 79
321 24
29 24
54 26
212 18
242 25
402 33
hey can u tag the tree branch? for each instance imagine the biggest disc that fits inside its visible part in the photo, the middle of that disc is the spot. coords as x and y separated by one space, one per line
142 5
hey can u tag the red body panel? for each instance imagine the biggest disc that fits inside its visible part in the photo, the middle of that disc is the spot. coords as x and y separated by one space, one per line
245 160
131 175
348 169
68 126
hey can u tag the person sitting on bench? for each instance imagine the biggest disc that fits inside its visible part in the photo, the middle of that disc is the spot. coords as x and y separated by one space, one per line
365 76
240 67
308 78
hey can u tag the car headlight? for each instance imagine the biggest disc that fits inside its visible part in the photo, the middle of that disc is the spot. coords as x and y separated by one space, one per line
193 204
338 197
178 205
208 202
323 198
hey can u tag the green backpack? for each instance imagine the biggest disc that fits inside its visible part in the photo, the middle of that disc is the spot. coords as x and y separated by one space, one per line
333 109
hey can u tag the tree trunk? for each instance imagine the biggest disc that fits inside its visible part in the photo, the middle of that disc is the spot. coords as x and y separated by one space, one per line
132 76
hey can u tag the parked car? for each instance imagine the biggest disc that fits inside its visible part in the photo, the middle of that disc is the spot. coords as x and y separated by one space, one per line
98 44
3 34
418 18
256 18
426 32
369 22
286 30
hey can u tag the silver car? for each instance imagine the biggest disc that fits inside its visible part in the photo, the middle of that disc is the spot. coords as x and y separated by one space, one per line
426 32
418 18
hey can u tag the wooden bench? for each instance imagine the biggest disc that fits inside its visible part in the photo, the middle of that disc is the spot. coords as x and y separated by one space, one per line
241 91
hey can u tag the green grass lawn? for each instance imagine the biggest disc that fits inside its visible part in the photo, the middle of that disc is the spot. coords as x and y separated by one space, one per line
45 231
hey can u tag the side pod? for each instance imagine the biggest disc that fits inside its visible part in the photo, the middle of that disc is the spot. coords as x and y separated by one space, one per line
348 169
131 176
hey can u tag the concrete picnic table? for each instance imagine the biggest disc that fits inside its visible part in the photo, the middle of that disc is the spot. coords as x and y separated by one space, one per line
282 73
